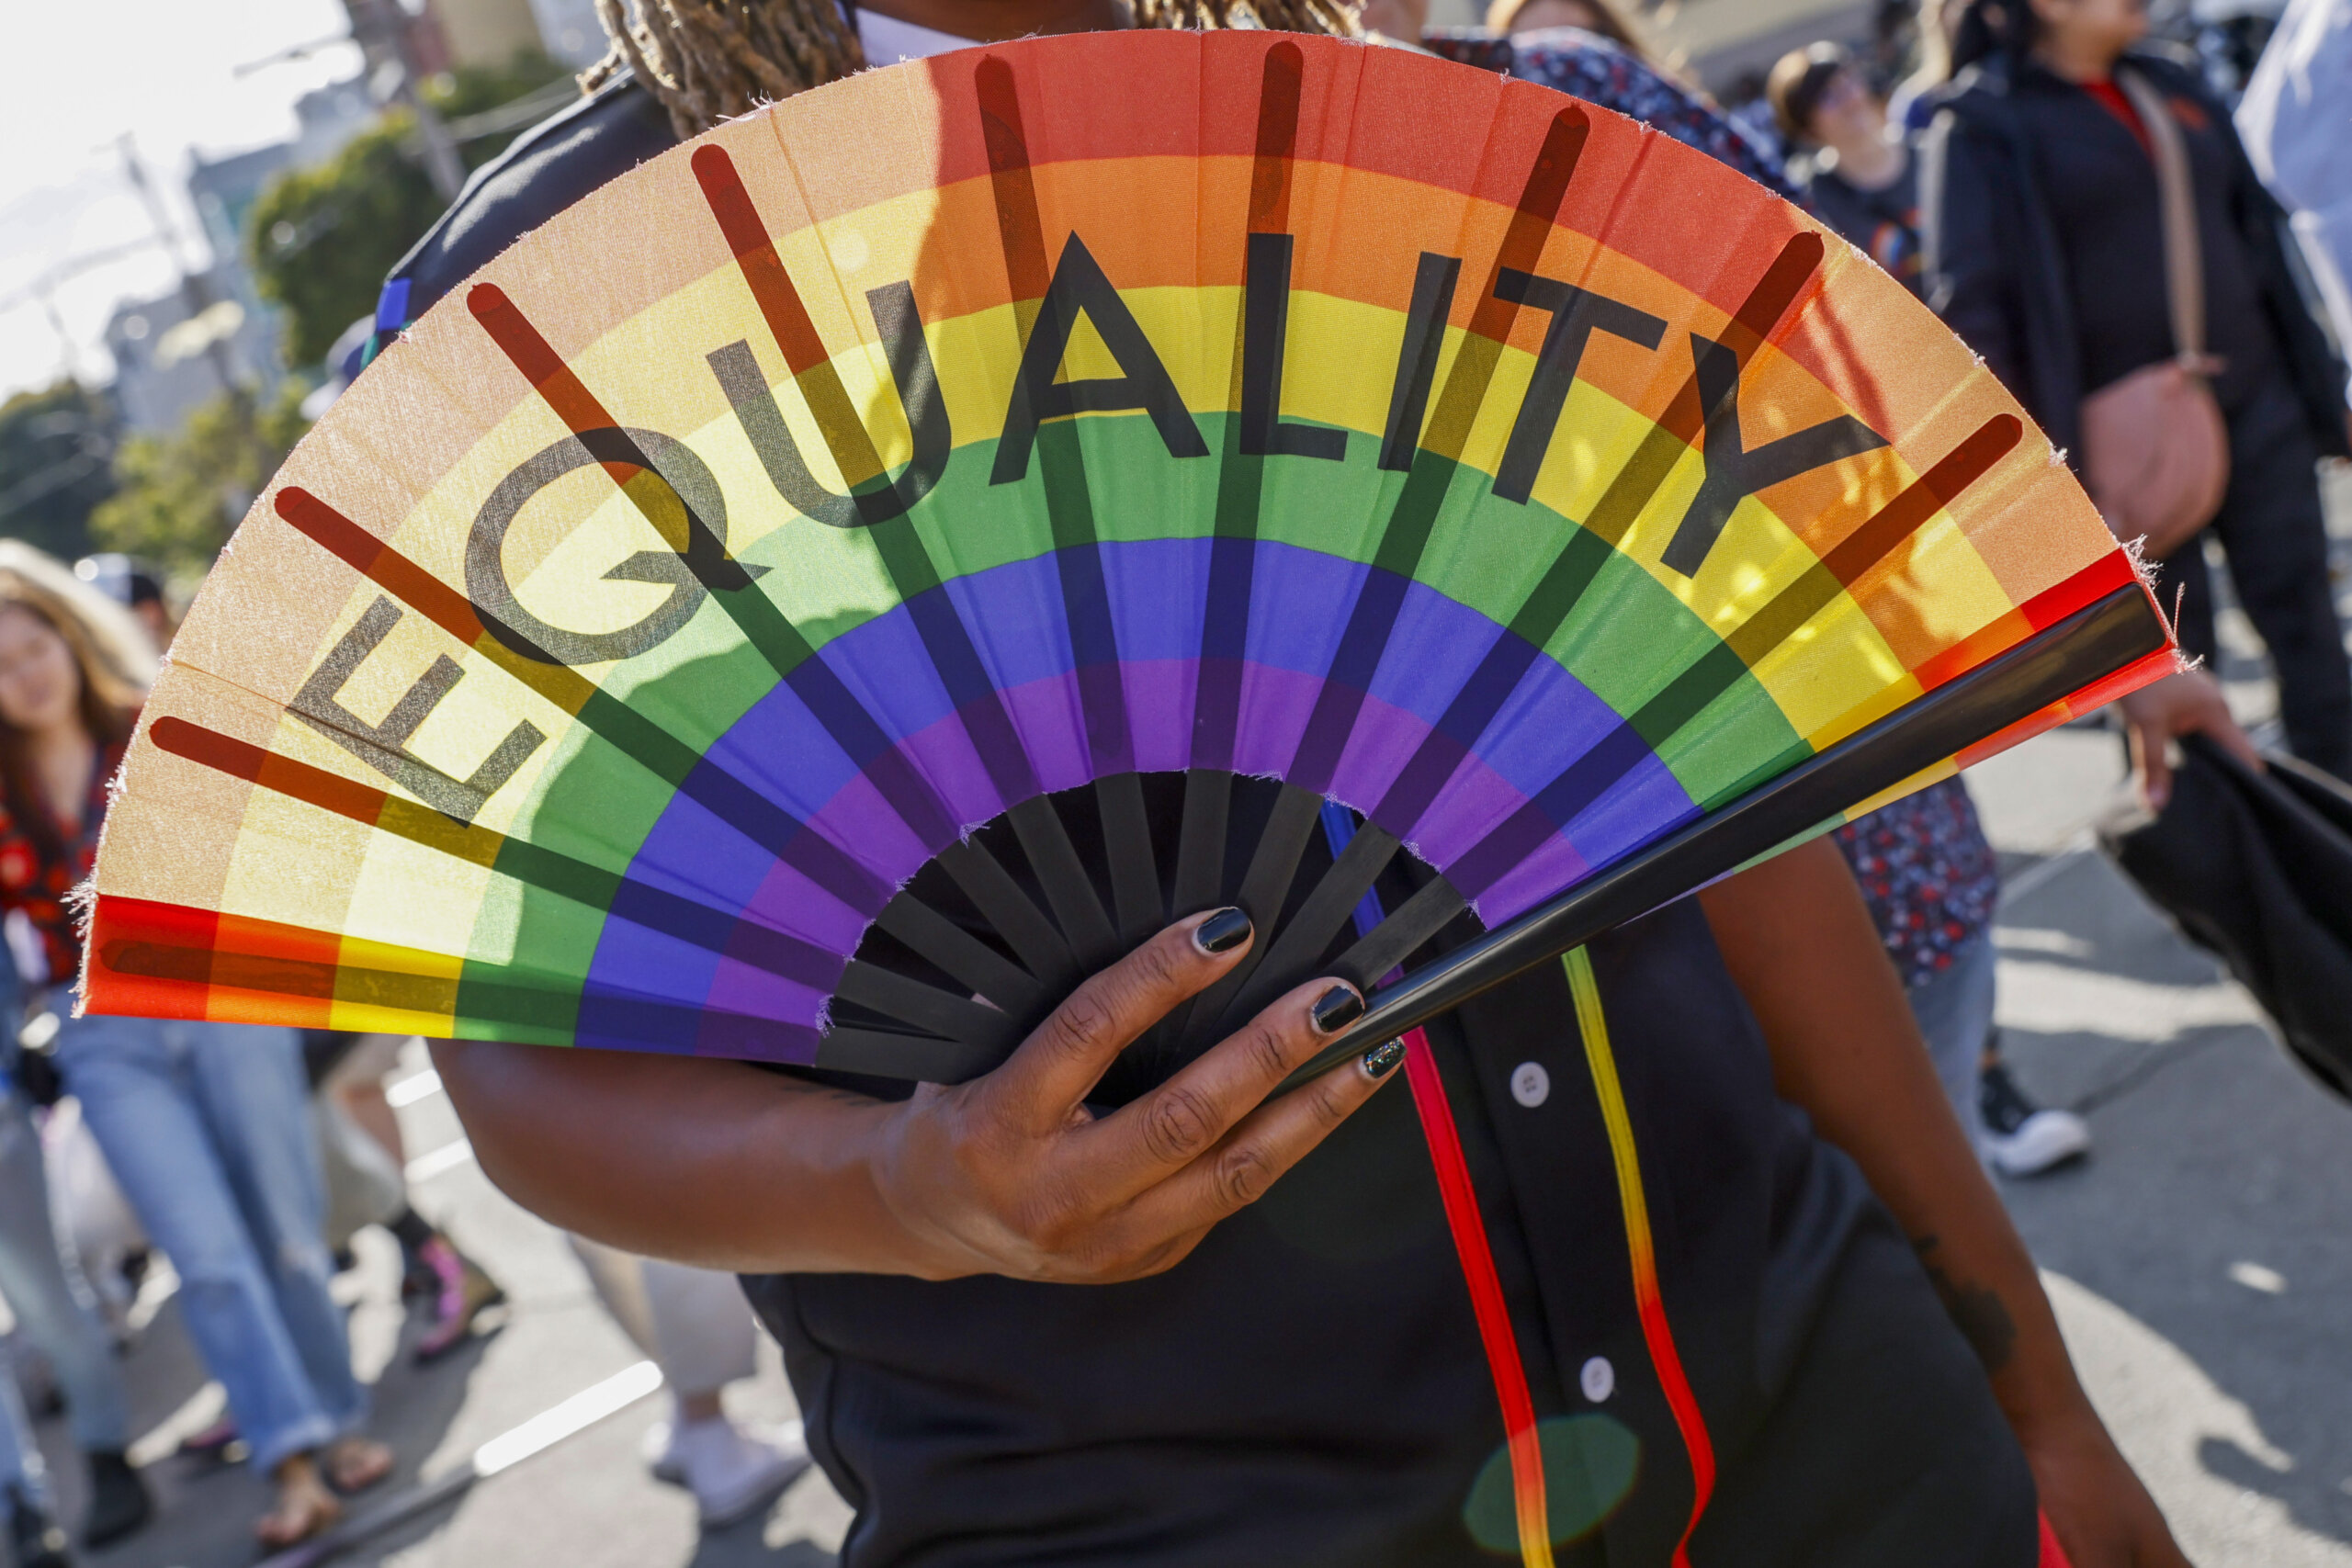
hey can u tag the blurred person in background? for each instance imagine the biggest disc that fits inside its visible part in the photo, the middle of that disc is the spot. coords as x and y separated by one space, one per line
1508 18
1912 104
204 1124
1611 66
2044 250
1855 169
695 1324
38 1282
130 584
2296 117
346 1072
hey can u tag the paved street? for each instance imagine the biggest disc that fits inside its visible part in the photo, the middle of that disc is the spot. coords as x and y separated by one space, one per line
2200 1262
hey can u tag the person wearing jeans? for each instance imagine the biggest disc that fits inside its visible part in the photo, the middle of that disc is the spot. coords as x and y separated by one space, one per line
34 1281
207 1126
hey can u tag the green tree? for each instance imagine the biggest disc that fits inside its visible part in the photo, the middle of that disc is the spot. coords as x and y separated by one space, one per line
321 239
56 452
179 496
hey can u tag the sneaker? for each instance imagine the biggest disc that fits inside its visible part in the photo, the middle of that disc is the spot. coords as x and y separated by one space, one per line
661 1455
2021 1137
732 1473
35 1540
461 1293
119 1501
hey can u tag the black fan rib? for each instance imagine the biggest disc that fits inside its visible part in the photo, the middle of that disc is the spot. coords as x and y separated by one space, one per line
962 956
1308 933
910 1000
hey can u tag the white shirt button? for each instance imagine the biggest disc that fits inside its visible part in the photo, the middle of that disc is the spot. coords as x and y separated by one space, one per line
1599 1379
1529 1084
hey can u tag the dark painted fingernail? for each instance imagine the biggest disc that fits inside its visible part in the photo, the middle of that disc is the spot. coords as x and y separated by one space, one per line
1222 932
1334 1010
1381 1059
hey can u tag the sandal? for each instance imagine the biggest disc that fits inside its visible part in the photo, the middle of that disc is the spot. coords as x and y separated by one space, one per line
353 1464
305 1508
461 1293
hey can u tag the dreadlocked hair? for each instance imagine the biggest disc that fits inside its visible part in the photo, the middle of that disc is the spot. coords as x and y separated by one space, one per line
709 60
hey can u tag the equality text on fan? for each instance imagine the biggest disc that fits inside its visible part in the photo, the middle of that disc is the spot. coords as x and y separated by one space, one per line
686 506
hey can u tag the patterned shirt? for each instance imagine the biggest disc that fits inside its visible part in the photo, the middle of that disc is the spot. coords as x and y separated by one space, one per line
1586 65
1928 875
40 882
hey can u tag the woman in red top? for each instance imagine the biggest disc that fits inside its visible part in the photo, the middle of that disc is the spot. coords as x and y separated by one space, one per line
205 1126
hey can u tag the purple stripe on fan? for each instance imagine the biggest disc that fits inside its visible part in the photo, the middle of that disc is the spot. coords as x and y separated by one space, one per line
1155 592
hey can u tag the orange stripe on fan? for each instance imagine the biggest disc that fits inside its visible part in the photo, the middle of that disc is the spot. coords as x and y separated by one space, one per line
1487 1303
1019 227
1684 419
2088 586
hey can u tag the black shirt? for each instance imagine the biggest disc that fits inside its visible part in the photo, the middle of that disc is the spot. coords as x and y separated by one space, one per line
2102 187
1309 1387
1885 223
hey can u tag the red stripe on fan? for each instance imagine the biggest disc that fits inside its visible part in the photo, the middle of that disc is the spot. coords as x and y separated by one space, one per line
329 792
2098 695
117 921
186 962
755 248
2086 587
555 382
1486 1300
1924 497
427 595
377 561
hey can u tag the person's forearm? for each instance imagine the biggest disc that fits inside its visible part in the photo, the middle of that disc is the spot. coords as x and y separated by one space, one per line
719 1164
704 1162
1800 942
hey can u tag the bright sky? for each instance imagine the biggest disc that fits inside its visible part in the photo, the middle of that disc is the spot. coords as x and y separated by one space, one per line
163 70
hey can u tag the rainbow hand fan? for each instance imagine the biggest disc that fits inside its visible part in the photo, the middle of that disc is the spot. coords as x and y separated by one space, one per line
898 480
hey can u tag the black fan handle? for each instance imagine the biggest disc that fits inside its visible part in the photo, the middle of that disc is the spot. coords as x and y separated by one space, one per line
2095 641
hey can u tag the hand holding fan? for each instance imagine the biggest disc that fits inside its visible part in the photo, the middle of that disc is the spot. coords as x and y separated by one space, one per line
877 496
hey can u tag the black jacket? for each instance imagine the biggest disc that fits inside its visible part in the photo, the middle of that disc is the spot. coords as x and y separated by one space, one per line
1996 273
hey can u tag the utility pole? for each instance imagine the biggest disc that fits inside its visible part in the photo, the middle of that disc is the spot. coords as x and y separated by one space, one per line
195 292
383 31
